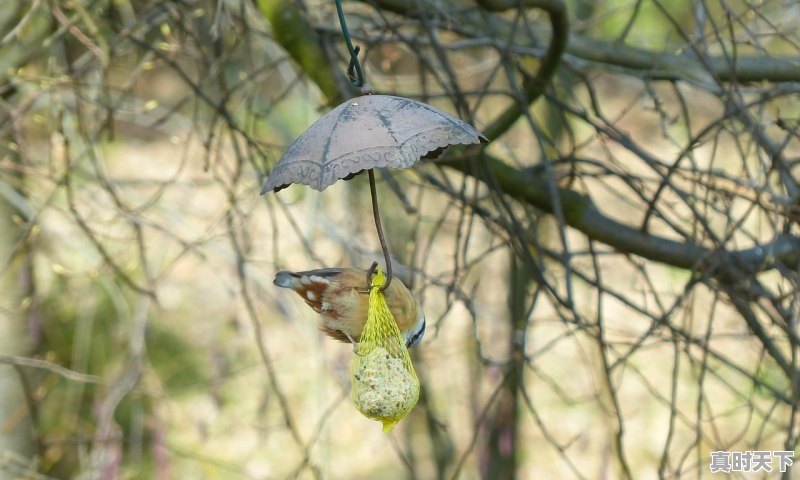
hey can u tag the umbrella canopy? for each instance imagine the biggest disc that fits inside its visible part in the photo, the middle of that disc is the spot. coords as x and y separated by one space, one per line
371 131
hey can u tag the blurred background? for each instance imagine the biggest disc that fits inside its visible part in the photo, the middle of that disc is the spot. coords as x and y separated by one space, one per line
611 286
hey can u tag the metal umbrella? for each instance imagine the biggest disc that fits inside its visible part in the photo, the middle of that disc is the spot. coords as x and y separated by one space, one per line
371 131
367 132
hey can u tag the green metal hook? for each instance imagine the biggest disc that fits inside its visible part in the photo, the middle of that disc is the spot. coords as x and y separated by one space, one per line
355 65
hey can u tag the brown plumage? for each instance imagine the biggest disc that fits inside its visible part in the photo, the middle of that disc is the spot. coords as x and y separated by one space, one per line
341 297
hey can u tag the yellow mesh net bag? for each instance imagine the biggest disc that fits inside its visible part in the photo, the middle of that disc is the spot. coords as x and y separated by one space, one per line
385 385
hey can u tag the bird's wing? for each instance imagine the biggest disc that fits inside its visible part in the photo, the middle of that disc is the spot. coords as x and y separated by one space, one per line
324 272
334 334
324 288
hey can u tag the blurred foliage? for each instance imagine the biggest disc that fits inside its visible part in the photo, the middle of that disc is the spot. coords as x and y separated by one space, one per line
86 324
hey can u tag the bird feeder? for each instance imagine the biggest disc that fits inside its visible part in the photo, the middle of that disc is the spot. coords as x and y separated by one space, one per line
364 133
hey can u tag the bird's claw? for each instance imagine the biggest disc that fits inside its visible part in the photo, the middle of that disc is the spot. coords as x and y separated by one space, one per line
355 344
371 272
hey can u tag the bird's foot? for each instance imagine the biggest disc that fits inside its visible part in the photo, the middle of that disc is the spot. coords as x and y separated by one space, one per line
355 344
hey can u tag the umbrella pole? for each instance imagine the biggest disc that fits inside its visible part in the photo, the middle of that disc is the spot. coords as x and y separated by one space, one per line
376 213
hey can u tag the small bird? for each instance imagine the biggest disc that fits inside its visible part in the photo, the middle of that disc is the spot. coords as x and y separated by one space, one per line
341 297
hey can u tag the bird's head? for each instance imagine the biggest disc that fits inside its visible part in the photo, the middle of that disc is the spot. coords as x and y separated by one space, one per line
414 335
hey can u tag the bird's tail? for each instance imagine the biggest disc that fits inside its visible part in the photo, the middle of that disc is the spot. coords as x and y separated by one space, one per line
285 279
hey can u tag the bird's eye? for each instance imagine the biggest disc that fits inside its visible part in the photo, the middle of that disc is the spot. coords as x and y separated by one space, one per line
414 340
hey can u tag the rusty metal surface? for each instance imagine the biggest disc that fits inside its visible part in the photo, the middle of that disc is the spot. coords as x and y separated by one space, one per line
371 131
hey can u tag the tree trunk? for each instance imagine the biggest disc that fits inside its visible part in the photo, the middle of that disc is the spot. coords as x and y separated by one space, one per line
502 429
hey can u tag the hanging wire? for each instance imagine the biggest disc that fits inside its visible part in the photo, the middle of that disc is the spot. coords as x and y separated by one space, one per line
356 75
355 65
